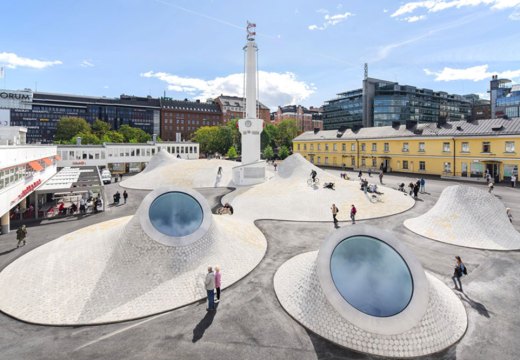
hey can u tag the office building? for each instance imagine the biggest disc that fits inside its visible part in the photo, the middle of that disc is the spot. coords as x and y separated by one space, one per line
181 118
383 103
505 98
306 119
234 107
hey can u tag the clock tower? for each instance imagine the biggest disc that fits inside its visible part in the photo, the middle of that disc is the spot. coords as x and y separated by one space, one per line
252 170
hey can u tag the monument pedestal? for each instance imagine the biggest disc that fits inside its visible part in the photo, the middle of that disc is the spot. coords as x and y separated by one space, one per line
249 174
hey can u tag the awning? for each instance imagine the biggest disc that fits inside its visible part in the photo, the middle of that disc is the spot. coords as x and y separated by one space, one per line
36 166
57 157
47 161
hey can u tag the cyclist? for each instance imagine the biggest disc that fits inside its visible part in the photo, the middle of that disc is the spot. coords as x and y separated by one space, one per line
313 175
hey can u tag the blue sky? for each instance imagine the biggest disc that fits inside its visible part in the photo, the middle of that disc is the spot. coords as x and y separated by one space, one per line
309 50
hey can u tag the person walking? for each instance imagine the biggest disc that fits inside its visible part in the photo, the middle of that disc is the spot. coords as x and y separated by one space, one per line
513 180
219 171
369 172
21 234
209 283
360 174
416 189
353 212
218 278
509 215
490 187
381 176
460 269
125 196
335 211
422 188
275 166
82 206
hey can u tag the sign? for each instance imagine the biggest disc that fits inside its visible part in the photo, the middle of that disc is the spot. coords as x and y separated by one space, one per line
79 163
10 99
28 190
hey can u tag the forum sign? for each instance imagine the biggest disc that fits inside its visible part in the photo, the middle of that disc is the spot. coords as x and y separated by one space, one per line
10 99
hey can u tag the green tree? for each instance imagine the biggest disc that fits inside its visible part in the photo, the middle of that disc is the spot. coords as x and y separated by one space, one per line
283 152
100 128
133 134
113 137
232 153
86 138
223 139
235 134
287 131
268 152
69 127
268 136
206 137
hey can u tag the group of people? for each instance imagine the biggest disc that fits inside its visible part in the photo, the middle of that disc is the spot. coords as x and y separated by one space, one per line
212 284
335 211
117 197
226 209
414 188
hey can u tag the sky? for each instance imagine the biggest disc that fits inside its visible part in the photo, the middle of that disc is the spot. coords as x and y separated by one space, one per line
309 50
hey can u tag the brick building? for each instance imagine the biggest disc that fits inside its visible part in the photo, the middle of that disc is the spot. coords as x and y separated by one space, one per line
306 119
234 107
180 118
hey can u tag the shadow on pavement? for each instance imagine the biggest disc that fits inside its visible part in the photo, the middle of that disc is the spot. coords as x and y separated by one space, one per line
204 324
8 251
481 309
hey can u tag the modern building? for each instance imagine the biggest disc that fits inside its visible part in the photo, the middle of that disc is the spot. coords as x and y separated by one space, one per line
23 169
234 107
505 98
383 103
40 112
306 119
459 149
122 158
480 108
180 119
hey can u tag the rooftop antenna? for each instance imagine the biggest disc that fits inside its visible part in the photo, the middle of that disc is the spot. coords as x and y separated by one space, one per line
366 71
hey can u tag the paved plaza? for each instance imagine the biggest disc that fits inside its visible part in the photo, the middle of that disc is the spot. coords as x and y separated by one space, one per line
250 323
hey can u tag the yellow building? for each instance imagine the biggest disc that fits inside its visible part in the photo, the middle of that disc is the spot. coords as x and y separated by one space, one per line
457 149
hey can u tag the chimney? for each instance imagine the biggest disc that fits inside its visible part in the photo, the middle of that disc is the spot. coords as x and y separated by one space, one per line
441 121
78 140
410 124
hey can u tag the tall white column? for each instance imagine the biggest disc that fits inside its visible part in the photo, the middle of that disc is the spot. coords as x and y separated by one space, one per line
251 50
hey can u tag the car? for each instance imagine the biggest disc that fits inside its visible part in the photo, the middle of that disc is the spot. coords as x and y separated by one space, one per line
106 176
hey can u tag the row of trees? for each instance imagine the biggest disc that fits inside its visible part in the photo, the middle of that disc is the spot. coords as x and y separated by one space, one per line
69 128
226 139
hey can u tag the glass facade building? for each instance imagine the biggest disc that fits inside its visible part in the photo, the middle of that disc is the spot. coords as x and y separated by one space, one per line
505 98
42 118
383 103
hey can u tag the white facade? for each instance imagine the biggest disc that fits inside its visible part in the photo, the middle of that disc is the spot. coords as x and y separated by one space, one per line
23 169
122 158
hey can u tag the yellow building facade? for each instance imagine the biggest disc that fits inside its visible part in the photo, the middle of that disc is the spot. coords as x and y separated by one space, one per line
457 149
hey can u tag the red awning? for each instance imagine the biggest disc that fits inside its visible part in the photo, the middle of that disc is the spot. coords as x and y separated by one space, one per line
57 157
36 166
47 161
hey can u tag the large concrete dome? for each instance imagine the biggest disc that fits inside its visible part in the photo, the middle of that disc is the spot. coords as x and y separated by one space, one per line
366 291
131 267
467 216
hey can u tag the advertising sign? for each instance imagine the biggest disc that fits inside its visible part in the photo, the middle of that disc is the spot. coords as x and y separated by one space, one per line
21 99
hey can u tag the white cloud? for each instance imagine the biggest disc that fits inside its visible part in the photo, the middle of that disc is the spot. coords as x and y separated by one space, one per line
515 15
86 63
474 73
331 20
414 18
440 5
11 60
484 96
275 88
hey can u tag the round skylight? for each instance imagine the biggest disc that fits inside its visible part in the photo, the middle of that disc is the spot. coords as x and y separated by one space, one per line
176 214
371 276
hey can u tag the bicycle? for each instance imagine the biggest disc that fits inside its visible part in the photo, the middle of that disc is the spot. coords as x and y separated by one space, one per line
310 182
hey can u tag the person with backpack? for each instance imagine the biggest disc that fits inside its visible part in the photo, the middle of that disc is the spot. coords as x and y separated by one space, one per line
21 234
460 269
353 212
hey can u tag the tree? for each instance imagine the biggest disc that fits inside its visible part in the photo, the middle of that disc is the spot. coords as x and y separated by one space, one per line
235 134
134 135
268 136
205 136
113 137
86 138
287 131
283 152
100 128
69 127
268 152
223 139
232 153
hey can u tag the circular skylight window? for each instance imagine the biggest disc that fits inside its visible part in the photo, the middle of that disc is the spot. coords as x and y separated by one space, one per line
371 276
176 214
372 280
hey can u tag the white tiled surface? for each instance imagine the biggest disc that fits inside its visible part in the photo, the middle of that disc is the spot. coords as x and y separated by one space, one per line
287 196
467 216
112 271
298 290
